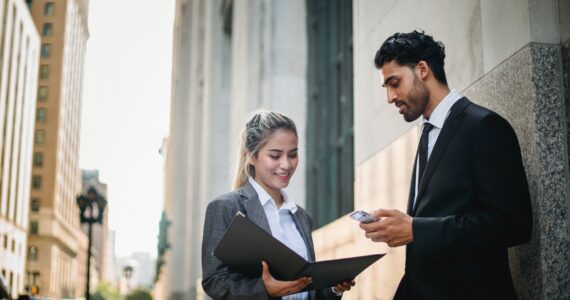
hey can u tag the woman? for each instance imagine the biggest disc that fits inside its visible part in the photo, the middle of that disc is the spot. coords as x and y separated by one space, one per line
268 158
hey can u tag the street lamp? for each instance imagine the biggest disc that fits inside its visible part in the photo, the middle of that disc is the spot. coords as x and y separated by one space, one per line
91 207
128 272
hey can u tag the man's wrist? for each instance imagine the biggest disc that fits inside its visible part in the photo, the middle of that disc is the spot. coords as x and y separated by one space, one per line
336 291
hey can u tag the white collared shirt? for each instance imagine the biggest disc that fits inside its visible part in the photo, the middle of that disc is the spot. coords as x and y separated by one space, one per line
282 226
437 118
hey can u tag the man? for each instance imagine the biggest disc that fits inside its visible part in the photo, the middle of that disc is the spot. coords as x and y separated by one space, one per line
469 198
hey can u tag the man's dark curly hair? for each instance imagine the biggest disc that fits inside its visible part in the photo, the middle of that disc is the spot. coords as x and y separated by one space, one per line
411 48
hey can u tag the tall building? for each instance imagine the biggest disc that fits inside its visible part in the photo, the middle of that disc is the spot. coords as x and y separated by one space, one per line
19 61
56 180
100 232
312 59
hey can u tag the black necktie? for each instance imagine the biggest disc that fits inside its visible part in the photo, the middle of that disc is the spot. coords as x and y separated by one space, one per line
423 151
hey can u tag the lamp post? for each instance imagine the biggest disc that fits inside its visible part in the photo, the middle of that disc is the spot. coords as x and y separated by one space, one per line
91 207
128 272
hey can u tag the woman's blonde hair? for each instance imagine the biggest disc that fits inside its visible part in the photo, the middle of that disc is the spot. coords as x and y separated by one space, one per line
258 129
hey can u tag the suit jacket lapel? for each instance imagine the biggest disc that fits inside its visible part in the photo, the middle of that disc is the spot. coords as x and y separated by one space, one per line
445 136
303 227
253 208
412 194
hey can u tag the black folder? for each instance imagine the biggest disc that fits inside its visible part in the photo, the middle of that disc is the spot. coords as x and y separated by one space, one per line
244 245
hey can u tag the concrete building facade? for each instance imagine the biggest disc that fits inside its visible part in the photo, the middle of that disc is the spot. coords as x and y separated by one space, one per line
232 57
56 179
19 62
237 67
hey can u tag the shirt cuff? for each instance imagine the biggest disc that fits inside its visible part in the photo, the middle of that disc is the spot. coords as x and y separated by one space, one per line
336 292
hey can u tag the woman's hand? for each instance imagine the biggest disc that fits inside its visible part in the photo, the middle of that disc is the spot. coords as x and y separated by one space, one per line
277 288
344 286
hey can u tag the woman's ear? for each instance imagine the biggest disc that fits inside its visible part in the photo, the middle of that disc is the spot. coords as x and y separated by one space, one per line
251 159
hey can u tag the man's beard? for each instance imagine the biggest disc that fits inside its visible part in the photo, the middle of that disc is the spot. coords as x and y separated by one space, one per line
417 101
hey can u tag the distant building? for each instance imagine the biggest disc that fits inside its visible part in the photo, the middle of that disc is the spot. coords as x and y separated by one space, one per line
56 178
19 61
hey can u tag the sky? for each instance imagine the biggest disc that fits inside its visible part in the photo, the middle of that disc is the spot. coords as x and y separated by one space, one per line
125 114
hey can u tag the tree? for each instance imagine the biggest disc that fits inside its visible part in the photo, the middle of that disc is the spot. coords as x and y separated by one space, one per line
105 291
139 294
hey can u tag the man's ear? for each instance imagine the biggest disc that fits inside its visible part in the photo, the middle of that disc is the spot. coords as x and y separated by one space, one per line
422 70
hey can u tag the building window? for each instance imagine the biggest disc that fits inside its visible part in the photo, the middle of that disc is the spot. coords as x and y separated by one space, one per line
48 9
5 241
41 115
48 29
44 71
33 253
37 182
13 248
330 158
32 282
42 93
38 159
40 137
35 205
46 50
29 3
34 227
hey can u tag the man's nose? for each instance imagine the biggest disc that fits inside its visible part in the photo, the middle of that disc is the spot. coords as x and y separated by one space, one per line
391 97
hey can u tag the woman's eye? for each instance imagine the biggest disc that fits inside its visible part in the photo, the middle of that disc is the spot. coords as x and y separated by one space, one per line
274 157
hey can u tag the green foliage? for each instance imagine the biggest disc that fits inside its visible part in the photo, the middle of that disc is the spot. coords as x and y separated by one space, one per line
139 294
105 291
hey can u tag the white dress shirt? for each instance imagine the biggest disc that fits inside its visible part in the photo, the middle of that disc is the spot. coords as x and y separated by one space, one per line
282 226
437 118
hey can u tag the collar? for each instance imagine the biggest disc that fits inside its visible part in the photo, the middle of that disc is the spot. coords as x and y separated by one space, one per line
264 197
441 111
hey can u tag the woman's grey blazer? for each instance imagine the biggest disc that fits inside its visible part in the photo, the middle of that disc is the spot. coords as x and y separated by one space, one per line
218 281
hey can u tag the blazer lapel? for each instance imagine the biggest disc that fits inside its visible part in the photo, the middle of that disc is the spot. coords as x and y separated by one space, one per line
253 208
412 194
303 227
445 136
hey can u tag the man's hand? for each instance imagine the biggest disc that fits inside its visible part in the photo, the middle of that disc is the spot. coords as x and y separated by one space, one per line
395 228
343 286
277 288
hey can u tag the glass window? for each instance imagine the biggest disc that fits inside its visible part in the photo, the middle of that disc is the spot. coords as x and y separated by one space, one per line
34 227
38 159
42 93
41 115
48 9
5 241
29 3
44 71
46 50
35 205
13 246
48 29
330 159
37 182
33 253
40 137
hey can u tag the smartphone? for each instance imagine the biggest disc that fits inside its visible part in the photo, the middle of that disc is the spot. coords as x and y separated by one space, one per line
363 217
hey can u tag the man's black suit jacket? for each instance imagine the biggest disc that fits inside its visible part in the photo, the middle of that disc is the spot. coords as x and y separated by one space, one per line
472 204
